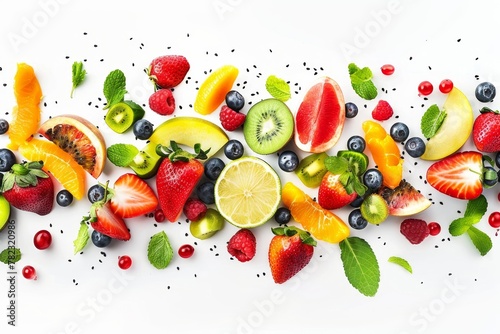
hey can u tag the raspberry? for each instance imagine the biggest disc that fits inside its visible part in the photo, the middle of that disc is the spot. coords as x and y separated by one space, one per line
415 230
194 209
162 102
383 111
242 245
230 119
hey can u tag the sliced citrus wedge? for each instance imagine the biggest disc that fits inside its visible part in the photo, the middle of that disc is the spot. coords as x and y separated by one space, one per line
213 90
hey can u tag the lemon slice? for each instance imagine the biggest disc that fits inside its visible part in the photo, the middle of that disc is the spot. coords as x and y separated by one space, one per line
248 192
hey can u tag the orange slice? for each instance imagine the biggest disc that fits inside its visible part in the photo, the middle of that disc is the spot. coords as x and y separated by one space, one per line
213 90
322 224
59 163
26 114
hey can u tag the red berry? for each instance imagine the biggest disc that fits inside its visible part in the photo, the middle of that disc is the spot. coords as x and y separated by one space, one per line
159 215
42 239
186 251
124 262
425 88
415 230
494 219
194 209
387 69
29 272
162 102
168 71
446 86
242 245
434 228
383 111
230 119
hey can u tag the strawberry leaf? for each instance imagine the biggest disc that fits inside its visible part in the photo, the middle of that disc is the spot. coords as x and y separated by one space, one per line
480 239
160 251
336 165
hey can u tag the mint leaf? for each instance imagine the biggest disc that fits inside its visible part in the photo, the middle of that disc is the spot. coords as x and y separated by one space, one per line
460 225
401 262
360 265
480 239
78 74
122 155
114 88
160 252
278 88
431 121
361 82
336 165
82 238
10 255
475 210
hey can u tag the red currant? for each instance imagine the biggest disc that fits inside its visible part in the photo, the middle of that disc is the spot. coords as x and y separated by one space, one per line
434 228
425 88
29 272
124 262
494 219
387 69
42 239
446 86
186 251
159 216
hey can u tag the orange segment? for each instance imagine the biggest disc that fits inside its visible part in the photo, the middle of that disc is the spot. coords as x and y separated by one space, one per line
213 90
59 163
26 114
322 224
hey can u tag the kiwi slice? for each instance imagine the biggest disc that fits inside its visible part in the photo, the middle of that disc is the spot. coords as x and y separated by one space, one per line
145 164
268 126
121 116
357 159
311 169
208 225
374 209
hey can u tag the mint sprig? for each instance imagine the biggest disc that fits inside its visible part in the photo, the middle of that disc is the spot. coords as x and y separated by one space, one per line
361 82
401 262
160 252
82 238
114 88
432 120
78 74
121 155
350 173
278 88
10 255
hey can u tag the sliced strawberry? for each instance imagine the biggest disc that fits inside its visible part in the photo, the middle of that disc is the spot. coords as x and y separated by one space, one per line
458 175
108 223
132 197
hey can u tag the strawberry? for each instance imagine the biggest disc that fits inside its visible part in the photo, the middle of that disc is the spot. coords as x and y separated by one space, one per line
177 177
168 71
104 220
27 187
415 230
242 245
162 102
459 175
132 196
230 119
383 111
290 250
486 131
332 194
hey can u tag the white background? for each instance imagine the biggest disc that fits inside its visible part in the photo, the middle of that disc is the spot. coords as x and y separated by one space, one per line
452 287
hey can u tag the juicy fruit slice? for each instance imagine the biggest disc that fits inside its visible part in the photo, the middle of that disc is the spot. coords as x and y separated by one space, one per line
312 169
374 209
320 119
60 164
268 126
213 90
404 200
248 192
455 129
131 197
122 116
78 137
26 114
322 224
208 225
385 153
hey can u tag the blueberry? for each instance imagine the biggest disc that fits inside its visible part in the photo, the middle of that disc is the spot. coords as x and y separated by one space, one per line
143 129
356 143
288 161
4 126
213 167
95 193
485 92
205 192
490 176
356 220
282 216
399 132
235 100
415 147
233 149
7 159
497 159
357 201
64 198
373 179
351 110
100 240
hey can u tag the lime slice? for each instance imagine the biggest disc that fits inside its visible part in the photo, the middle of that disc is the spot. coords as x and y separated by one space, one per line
248 192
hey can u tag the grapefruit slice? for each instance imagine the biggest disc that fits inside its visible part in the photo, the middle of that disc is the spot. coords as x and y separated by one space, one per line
320 118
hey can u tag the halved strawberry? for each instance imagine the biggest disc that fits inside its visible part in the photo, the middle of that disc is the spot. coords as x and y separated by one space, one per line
105 221
132 196
459 175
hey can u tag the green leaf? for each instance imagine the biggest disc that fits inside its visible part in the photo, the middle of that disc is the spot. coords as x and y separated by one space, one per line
361 82
476 208
460 225
336 165
10 255
401 262
114 88
78 75
432 120
122 155
160 252
360 265
480 239
278 88
82 238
